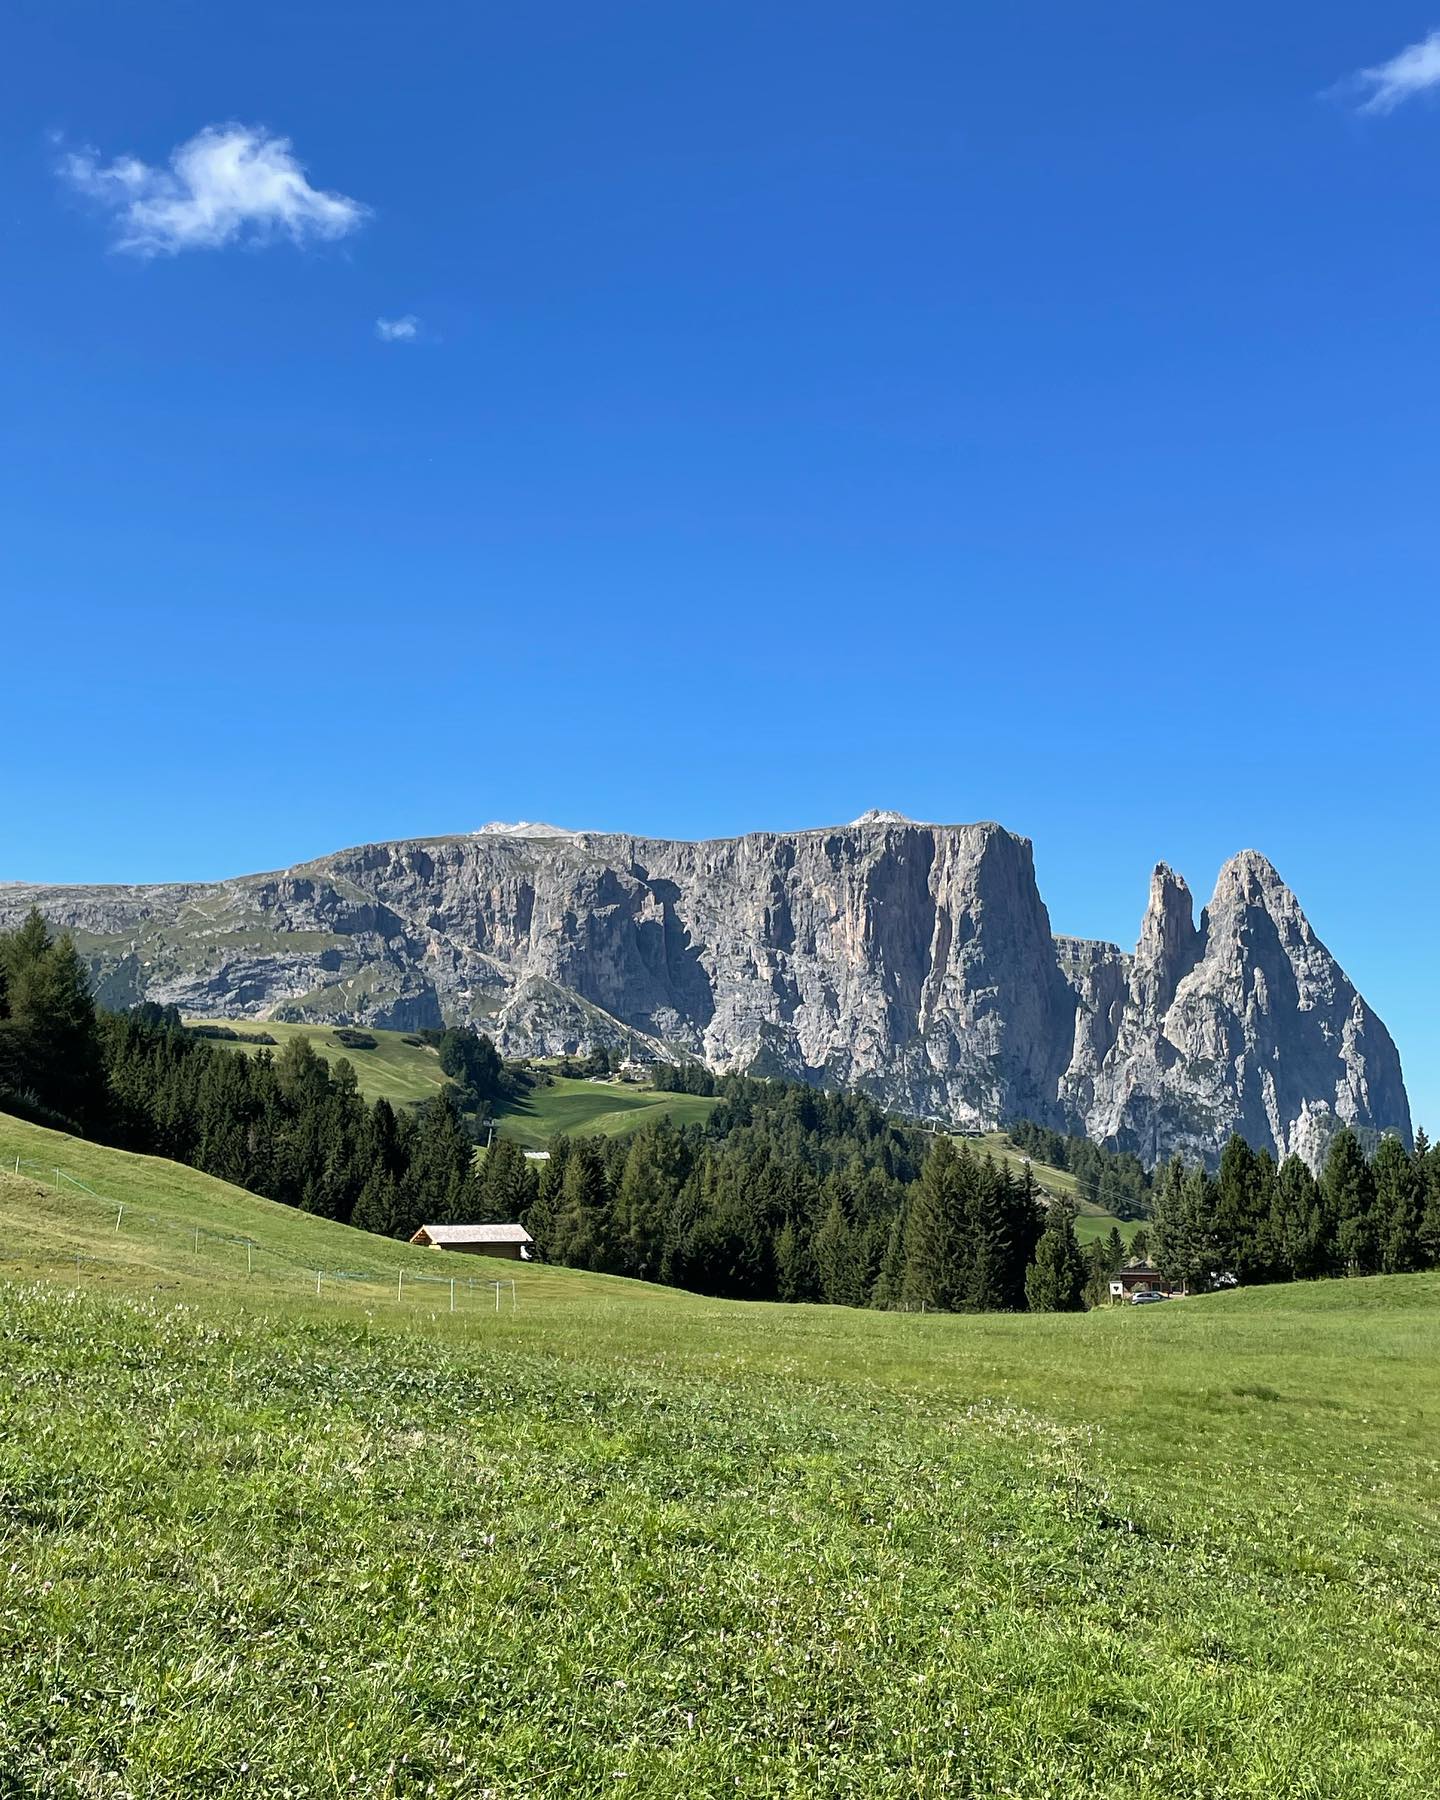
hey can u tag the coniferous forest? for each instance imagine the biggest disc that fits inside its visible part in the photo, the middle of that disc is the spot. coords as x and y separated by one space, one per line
784 1192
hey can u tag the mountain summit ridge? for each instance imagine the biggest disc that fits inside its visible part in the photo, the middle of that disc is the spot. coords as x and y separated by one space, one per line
915 961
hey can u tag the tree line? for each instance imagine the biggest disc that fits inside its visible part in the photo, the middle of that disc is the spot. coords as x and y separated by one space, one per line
1253 1222
787 1194
783 1192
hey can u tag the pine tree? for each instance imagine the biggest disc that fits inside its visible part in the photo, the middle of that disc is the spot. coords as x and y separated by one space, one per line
836 1256
582 1236
1427 1168
1349 1193
794 1272
380 1208
935 1230
49 1037
1298 1223
1055 1280
1396 1207
888 1293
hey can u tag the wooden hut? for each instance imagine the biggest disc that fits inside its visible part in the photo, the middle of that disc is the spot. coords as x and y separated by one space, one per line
511 1241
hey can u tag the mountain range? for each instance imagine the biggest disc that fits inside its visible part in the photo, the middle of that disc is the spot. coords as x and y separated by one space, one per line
914 961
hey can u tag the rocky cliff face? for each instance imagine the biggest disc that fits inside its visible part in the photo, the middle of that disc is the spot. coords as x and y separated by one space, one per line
1245 1023
916 961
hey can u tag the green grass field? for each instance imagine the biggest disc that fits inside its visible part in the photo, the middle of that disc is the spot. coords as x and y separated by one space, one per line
403 1073
622 1541
609 1109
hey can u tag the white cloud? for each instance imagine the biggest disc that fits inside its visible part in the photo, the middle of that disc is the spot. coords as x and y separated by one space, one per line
228 184
1414 71
398 331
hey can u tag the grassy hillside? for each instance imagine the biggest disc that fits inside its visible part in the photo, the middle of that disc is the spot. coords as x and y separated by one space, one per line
83 1212
403 1073
624 1542
1091 1219
611 1109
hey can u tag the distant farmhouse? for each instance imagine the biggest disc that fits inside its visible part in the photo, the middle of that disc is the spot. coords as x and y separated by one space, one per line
1140 1278
509 1241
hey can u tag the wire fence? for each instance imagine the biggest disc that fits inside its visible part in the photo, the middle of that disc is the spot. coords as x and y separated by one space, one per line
398 1285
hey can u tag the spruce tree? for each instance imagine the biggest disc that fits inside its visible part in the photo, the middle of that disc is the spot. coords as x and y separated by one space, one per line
1170 1246
1427 1168
49 1036
992 1282
935 1229
1241 1212
1349 1192
1096 1258
640 1206
1055 1280
380 1208
440 1180
1397 1208
506 1185
582 1235
1182 1237
543 1221
794 1273
836 1256
888 1293
1298 1224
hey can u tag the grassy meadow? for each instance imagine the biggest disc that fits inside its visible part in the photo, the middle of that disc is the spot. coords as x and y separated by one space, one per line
398 1071
603 1108
621 1541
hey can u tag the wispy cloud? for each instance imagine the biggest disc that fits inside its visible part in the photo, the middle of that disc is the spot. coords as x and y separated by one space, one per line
398 331
1414 71
229 184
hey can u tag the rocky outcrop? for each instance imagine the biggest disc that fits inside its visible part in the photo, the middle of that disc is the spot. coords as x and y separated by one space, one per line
916 961
1245 1023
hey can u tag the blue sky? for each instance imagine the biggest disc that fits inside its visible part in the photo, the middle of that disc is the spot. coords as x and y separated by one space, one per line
1017 412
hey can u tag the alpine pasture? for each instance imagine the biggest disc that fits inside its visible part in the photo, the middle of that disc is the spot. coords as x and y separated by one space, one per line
620 1541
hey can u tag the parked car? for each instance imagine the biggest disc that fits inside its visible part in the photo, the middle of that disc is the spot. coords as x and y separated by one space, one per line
1145 1296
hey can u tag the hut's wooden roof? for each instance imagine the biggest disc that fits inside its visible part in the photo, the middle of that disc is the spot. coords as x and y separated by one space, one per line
472 1234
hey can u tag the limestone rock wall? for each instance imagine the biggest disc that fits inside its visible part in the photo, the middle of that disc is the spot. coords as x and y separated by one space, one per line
916 961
